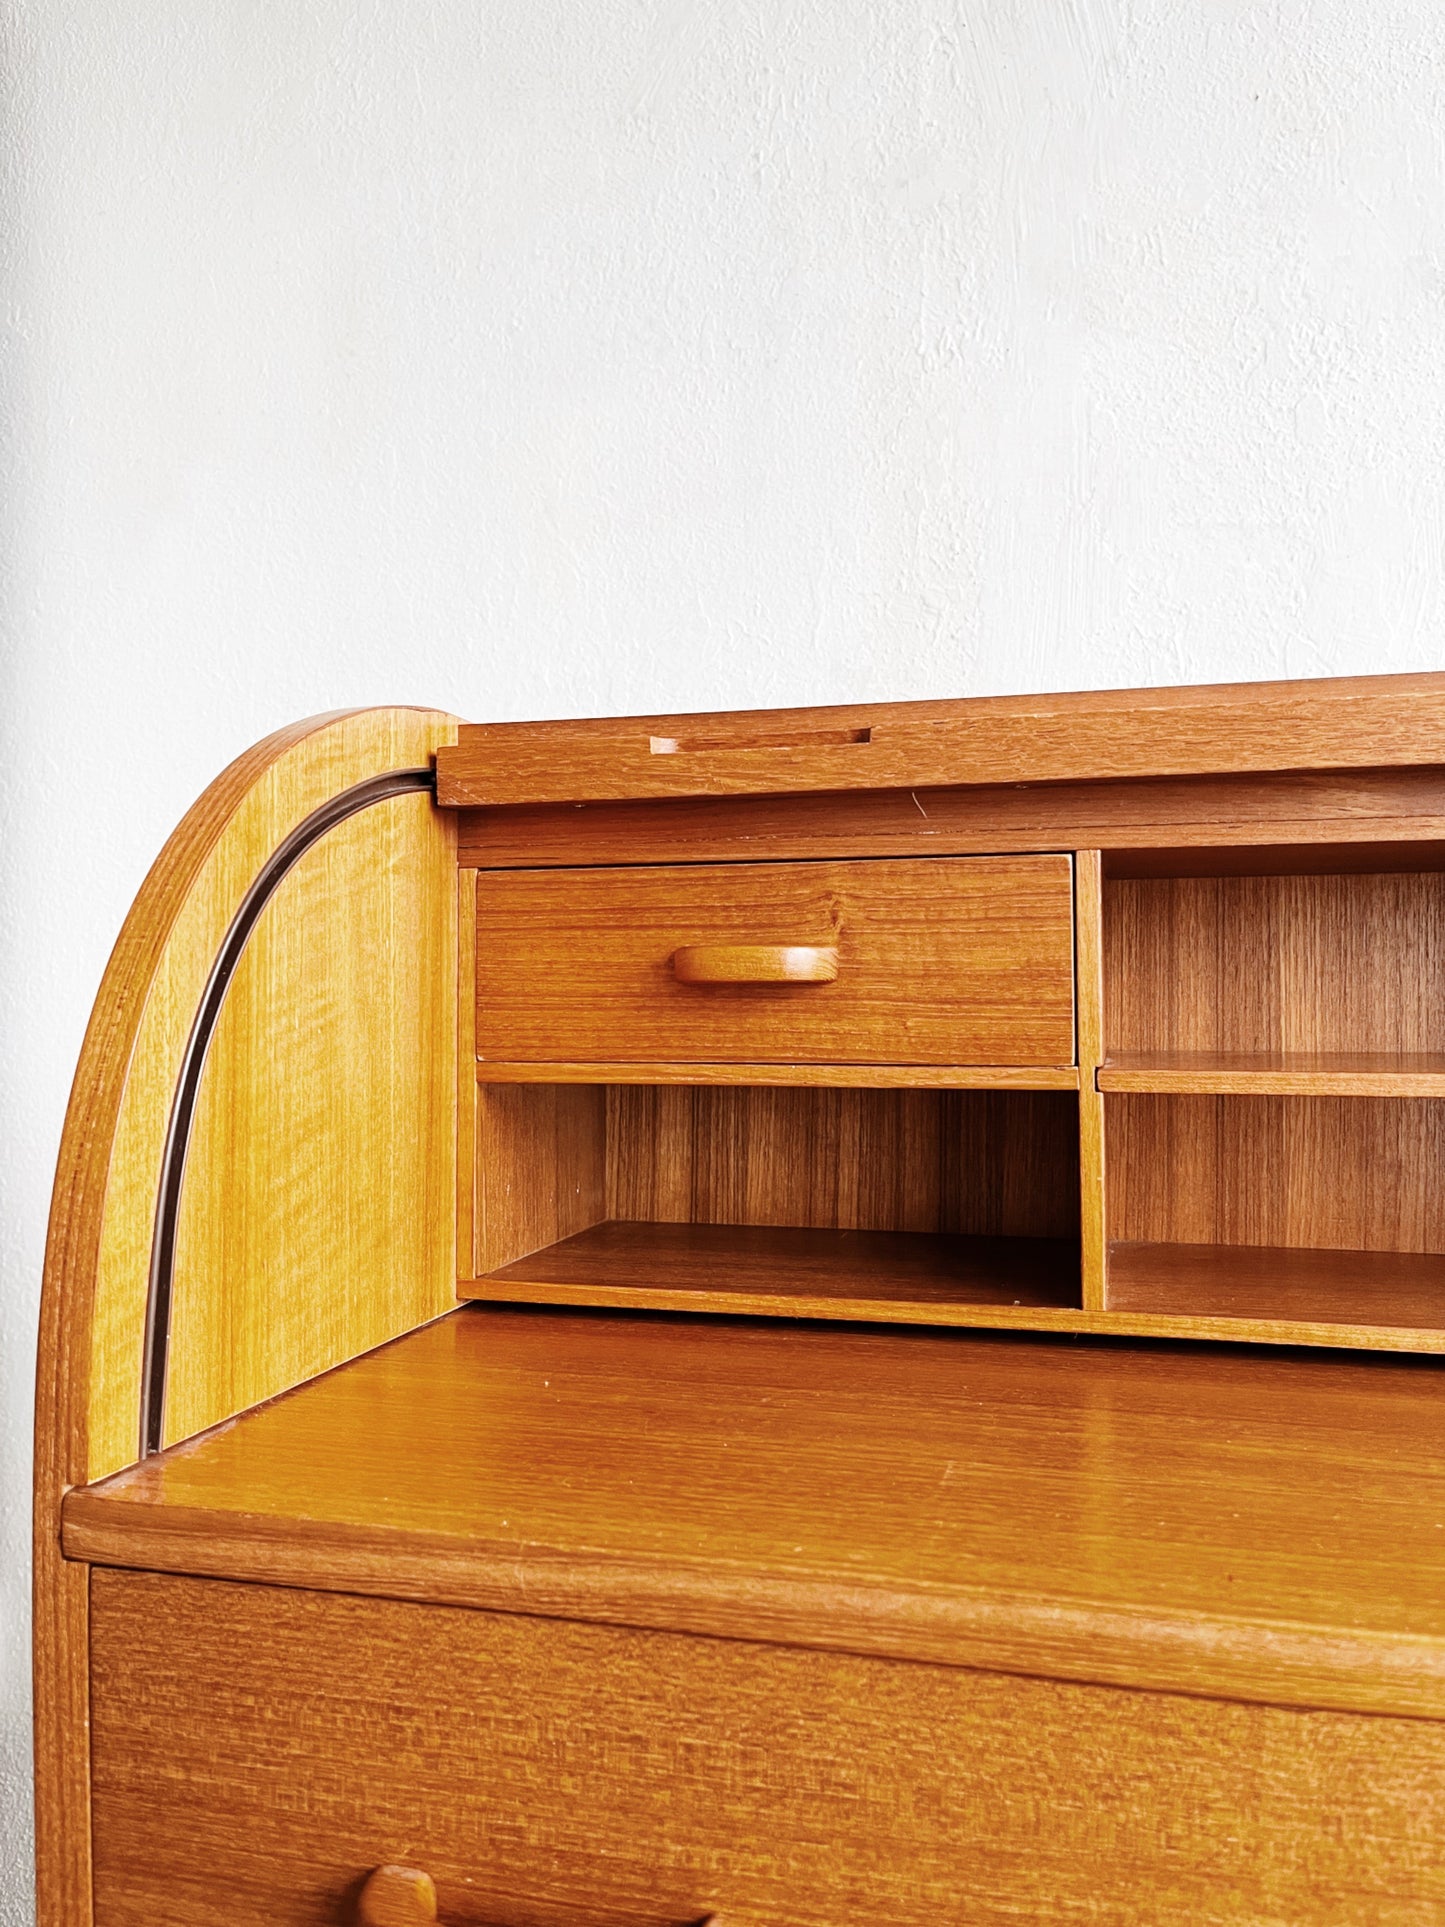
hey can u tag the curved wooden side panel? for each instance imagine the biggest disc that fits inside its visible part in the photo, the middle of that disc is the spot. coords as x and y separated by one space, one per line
317 1211
322 1156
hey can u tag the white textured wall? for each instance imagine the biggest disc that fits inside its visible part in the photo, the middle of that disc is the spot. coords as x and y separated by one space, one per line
565 356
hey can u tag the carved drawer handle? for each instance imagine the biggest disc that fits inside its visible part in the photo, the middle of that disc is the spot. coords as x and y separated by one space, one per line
755 963
406 1897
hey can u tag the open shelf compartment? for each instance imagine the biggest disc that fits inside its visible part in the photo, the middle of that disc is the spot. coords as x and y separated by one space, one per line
1274 1082
922 1206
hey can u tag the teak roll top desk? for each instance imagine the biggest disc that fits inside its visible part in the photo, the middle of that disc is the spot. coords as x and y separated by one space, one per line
409 1547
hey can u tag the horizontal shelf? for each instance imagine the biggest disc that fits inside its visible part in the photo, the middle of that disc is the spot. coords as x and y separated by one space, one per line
1386 1300
888 1276
1276 1073
1262 1285
922 1077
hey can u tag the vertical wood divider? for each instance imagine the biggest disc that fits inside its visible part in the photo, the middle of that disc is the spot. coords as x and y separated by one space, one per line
467 1095
1089 980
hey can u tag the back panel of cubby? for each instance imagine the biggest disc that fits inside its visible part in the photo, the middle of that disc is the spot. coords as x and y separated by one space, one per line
1275 963
1343 1173
987 1162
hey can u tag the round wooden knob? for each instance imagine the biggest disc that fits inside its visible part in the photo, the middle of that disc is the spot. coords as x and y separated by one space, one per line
397 1897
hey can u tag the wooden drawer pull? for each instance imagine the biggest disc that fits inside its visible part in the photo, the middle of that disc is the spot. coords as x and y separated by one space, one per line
755 963
406 1897
397 1897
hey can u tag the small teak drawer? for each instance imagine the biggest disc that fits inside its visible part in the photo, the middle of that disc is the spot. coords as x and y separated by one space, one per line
941 960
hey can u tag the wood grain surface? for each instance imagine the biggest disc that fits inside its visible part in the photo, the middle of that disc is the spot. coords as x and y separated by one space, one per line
541 1169
97 1252
898 1277
1089 997
880 1077
1213 1522
1276 963
324 1135
468 1096
273 1086
1276 1073
1328 1173
956 961
254 1767
1001 1164
1400 1289
1345 722
1289 822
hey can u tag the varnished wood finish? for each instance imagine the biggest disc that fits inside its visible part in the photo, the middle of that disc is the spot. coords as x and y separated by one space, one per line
881 1077
1093 1191
1213 825
1339 723
553 1775
97 1254
938 962
1346 1173
1402 1290
226 1342
1209 1522
1276 1073
554 1161
743 963
999 1164
1276 963
541 1167
1202 1040
396 1897
468 1097
323 1141
910 1277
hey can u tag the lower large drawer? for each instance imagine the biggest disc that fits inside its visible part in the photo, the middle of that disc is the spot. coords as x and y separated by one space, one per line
256 1752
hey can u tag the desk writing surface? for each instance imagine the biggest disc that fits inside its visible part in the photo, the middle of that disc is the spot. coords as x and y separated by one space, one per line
1235 1522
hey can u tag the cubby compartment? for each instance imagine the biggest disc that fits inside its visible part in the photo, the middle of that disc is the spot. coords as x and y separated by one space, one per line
1274 1079
1311 1210
1276 973
927 1206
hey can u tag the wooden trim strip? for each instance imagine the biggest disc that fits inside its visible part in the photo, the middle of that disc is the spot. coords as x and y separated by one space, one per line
1279 1074
1095 735
870 1077
1089 1005
1213 1327
1276 1662
336 809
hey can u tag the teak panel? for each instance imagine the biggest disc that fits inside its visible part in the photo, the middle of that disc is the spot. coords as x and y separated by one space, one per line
398 904
103 1207
1093 1188
541 1170
1344 722
1003 1164
1400 1290
1255 1526
966 960
1276 964
873 1077
323 1141
1277 1073
912 1277
1347 1173
1205 821
555 1775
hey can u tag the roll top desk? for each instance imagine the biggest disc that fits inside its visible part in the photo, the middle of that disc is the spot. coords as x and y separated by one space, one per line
787 1318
